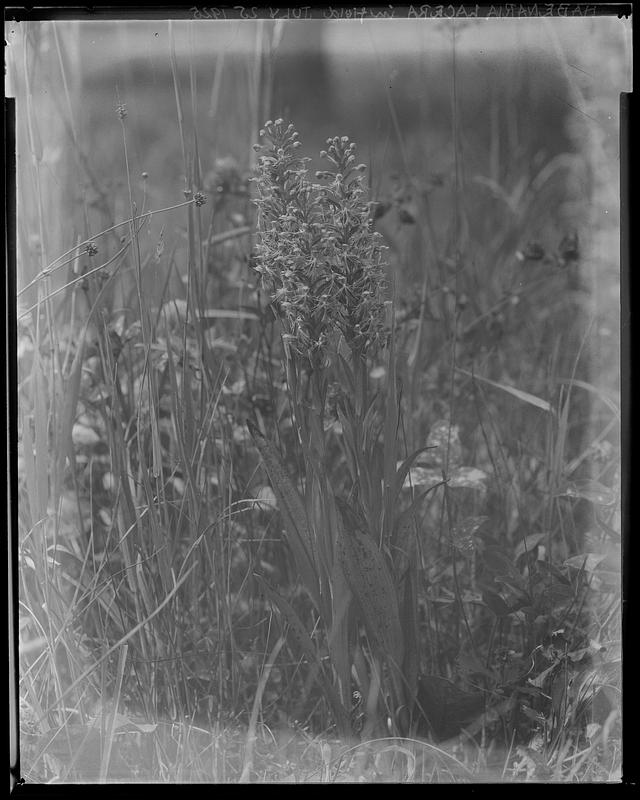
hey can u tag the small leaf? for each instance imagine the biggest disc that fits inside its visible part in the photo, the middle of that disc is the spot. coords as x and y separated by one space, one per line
499 562
558 593
545 566
577 655
514 581
587 561
469 665
403 469
406 216
378 208
528 544
495 603
590 490
540 680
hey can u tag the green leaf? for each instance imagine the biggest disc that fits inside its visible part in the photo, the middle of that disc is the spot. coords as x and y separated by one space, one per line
370 581
558 593
588 562
606 399
403 470
403 539
551 569
528 544
391 423
66 426
495 603
409 620
297 528
499 562
298 632
593 491
526 397
470 665
338 639
514 581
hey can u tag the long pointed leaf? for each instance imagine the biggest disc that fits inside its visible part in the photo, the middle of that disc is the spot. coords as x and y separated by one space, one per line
338 640
297 528
403 539
589 387
403 470
409 620
298 632
71 391
526 397
370 580
391 422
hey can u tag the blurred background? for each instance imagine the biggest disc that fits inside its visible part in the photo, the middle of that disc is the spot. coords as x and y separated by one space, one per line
477 113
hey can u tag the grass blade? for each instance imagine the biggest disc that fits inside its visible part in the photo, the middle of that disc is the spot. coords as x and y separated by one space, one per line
526 397
257 702
298 530
297 630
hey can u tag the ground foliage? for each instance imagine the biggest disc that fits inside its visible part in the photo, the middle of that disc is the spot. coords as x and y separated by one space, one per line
301 514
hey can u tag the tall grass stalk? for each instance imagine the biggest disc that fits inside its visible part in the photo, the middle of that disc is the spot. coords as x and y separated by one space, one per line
128 584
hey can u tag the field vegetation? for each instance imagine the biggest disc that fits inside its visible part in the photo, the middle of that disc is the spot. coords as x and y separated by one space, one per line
318 415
